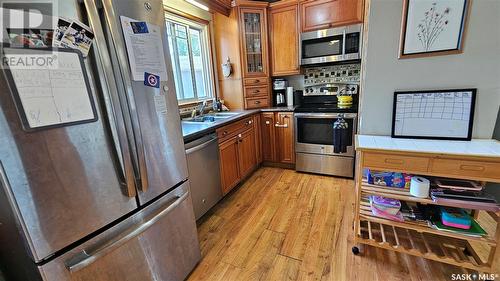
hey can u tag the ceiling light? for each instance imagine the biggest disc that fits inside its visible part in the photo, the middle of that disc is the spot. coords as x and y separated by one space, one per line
197 4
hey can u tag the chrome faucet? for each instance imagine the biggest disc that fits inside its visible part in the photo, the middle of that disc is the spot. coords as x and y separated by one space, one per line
202 107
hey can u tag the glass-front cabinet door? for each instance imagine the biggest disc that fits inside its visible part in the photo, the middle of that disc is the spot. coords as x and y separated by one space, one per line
253 23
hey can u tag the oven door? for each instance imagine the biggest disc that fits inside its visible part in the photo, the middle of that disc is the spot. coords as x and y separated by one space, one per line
314 132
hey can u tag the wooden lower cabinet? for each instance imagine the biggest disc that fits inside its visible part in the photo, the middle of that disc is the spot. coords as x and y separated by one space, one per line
285 138
278 143
246 152
229 171
244 144
258 137
239 153
268 136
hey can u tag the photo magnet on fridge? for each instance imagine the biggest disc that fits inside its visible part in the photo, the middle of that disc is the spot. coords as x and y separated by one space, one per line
151 80
139 27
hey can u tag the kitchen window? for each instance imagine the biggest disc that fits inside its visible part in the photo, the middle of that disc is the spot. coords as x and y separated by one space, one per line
191 61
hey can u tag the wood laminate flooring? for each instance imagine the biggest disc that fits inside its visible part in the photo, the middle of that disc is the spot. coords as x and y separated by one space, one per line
284 225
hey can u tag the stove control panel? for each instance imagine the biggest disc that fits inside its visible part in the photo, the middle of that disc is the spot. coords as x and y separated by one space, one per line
333 74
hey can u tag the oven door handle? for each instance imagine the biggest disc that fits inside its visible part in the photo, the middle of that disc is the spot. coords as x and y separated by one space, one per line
326 115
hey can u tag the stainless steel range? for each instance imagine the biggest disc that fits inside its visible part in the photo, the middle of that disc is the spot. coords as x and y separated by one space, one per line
315 118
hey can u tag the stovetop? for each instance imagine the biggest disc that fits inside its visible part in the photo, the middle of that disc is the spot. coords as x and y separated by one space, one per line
326 108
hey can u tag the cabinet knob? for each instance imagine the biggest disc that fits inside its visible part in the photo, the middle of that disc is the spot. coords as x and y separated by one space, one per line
239 135
267 122
256 81
257 101
224 133
280 126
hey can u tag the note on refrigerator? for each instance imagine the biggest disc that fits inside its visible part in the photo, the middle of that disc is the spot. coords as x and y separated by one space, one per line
53 94
144 48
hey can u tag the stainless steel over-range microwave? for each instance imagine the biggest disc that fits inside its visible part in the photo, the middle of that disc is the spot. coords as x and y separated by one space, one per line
331 45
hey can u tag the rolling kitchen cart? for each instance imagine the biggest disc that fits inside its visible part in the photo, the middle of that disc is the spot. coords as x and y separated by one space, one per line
475 160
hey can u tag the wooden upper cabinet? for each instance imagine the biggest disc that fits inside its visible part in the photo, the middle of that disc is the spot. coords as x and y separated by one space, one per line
247 159
253 29
221 6
285 137
284 39
267 122
321 14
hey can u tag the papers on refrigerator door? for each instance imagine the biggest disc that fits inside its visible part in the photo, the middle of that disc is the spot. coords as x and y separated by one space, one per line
144 48
61 28
160 104
51 96
73 34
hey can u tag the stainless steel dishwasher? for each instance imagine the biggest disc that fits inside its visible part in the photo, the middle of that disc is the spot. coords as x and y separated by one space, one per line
204 174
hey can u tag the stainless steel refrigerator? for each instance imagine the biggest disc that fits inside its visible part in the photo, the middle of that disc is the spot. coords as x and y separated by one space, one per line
106 200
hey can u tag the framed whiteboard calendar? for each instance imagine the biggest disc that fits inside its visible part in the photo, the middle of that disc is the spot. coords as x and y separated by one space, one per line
434 114
50 87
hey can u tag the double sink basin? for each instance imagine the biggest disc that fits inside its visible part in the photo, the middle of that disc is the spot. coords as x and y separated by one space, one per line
211 117
197 126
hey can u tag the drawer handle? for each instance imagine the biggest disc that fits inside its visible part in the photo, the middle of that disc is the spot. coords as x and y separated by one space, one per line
471 168
256 91
394 161
248 122
224 133
257 101
267 122
280 126
256 81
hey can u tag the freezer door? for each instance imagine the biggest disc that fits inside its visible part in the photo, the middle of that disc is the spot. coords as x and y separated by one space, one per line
64 183
158 243
160 161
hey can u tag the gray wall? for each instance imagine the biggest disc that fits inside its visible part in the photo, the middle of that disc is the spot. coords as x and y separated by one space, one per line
477 67
496 132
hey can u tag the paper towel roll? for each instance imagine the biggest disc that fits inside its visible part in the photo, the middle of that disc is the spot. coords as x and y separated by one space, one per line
289 96
419 187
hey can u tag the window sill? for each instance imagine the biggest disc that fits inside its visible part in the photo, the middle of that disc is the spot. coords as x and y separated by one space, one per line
193 103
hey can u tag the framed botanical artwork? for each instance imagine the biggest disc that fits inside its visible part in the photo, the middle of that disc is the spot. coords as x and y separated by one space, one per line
432 27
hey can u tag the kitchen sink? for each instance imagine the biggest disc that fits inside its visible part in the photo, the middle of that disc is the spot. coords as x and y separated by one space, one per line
211 117
201 119
224 114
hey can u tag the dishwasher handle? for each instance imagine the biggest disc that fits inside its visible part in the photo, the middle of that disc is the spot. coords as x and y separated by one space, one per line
201 146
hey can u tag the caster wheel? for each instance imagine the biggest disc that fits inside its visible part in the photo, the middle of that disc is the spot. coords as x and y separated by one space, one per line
355 250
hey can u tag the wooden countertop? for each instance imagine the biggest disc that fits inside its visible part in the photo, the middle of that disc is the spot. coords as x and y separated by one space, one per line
475 147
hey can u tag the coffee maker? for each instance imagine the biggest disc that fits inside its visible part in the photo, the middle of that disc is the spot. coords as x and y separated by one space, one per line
279 92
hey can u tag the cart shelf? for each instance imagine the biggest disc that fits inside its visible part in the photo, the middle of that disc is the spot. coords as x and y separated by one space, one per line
476 160
404 195
452 251
422 227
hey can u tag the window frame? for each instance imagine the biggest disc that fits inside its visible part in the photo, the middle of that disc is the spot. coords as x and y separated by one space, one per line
203 27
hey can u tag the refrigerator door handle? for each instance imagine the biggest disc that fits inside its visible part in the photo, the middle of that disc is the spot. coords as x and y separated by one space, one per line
140 164
110 92
87 257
